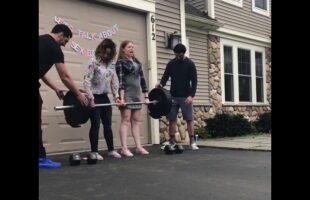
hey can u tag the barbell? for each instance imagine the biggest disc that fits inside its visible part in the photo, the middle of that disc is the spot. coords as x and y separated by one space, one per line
76 114
103 104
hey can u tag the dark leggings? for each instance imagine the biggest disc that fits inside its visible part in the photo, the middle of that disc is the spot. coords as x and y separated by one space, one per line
105 114
42 152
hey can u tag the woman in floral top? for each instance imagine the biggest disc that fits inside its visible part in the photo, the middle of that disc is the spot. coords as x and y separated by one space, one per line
101 79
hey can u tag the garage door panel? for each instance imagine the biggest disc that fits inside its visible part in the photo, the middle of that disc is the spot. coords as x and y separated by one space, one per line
89 17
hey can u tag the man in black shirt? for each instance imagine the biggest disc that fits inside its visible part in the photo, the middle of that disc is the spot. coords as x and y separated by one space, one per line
50 53
183 75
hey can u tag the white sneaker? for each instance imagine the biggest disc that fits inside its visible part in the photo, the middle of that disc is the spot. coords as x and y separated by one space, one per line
99 157
193 146
114 154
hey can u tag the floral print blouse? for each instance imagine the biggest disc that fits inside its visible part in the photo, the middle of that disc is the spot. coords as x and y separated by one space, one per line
100 79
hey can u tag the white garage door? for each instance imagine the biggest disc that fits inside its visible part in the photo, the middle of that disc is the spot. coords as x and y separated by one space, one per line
89 22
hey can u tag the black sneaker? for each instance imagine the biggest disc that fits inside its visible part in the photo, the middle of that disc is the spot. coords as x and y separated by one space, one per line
169 148
178 148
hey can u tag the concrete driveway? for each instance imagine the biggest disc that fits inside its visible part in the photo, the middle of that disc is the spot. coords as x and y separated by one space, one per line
210 173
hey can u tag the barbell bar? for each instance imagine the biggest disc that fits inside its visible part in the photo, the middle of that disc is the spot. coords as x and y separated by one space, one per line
105 104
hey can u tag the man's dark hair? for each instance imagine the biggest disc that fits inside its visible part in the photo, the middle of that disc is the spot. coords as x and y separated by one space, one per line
179 48
62 28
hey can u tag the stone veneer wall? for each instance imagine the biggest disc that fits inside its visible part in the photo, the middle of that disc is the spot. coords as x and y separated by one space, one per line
201 113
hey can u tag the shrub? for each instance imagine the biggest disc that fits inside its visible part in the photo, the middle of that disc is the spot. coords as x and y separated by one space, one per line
202 133
228 125
263 123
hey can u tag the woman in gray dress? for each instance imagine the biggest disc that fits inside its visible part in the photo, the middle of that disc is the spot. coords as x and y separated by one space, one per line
131 81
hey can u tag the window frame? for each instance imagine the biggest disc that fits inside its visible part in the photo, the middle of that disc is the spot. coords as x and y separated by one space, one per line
244 75
260 10
259 76
235 3
229 73
253 49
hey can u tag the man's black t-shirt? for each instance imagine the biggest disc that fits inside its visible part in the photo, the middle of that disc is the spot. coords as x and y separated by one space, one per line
49 54
183 77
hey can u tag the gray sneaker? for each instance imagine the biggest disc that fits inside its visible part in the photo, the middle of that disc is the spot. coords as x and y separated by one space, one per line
173 146
114 154
99 157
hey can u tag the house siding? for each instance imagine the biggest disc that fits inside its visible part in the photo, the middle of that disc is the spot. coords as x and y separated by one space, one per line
198 52
200 4
242 19
167 21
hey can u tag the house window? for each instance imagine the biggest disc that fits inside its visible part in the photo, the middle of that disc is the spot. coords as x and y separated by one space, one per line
243 73
228 71
262 4
234 2
261 7
259 76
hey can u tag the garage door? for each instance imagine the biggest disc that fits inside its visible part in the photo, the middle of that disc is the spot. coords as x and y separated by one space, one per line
90 23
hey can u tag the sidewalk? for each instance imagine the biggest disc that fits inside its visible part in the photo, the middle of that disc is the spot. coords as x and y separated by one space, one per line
260 142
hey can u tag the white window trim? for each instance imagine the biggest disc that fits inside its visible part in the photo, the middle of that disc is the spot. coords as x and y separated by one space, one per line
242 37
235 3
261 11
235 45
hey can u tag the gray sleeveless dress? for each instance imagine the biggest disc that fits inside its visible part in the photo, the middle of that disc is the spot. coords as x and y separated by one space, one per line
133 88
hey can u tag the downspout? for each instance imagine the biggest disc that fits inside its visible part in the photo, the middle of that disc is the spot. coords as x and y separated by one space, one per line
209 7
182 17
183 26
